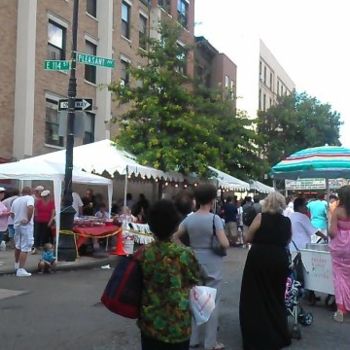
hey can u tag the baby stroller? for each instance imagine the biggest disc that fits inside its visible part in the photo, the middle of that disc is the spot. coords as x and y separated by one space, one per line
296 314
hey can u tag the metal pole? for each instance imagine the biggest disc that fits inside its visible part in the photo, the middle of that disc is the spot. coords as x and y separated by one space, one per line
67 245
72 93
126 186
328 192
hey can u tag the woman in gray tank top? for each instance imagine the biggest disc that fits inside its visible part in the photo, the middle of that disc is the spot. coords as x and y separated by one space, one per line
199 227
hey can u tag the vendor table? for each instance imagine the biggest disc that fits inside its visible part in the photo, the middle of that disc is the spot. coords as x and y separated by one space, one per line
83 233
318 274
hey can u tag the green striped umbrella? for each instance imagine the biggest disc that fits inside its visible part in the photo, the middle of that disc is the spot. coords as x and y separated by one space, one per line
328 162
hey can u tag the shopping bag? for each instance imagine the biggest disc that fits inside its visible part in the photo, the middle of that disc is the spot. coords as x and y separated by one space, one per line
123 291
202 303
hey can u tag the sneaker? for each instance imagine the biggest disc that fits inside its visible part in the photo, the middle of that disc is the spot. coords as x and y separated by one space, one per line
338 316
16 266
22 273
218 346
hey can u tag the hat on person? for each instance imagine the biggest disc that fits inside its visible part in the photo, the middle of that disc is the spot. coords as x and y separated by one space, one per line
45 193
39 188
2 189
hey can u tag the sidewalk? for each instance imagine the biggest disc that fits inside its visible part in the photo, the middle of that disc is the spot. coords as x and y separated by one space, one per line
84 262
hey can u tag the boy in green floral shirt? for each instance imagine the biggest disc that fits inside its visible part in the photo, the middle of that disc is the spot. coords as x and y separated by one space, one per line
169 272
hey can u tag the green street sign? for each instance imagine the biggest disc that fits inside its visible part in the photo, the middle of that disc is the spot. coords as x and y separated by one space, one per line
57 65
95 60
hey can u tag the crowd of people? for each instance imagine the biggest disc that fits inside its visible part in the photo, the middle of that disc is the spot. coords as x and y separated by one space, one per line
271 228
182 255
27 221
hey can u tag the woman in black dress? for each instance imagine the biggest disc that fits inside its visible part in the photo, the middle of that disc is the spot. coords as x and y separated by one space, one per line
262 310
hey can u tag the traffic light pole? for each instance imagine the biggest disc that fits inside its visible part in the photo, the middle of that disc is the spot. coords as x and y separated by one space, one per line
66 246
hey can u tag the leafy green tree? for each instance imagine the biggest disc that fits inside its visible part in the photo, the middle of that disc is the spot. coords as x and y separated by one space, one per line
298 121
161 127
236 136
173 124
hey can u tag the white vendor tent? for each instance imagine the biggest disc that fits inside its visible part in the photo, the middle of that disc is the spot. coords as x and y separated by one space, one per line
260 187
104 155
40 169
229 182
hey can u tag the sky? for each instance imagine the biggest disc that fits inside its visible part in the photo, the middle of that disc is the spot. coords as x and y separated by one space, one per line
309 38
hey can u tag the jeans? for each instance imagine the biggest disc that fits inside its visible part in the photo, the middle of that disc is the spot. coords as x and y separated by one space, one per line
11 231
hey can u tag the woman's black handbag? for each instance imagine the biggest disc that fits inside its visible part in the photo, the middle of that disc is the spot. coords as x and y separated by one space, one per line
217 248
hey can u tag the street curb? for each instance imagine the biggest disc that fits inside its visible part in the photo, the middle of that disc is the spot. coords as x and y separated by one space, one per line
69 266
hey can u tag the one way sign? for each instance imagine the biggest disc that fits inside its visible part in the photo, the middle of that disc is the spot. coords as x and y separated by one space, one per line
81 104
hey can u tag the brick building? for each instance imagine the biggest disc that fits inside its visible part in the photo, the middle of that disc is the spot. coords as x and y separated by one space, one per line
37 30
214 69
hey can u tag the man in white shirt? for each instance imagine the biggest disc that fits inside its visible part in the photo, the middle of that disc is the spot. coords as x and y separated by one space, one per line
302 230
22 210
290 207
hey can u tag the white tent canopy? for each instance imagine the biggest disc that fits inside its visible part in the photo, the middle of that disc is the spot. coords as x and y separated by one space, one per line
260 187
39 169
104 155
229 182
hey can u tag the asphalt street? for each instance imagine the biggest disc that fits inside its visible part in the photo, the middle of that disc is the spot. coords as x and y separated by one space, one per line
62 311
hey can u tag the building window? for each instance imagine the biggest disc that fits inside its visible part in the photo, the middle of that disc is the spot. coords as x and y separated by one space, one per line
124 72
270 102
52 124
182 12
90 71
227 82
165 4
126 20
91 7
260 70
271 81
264 75
143 32
232 90
259 99
56 49
264 102
182 60
278 87
89 131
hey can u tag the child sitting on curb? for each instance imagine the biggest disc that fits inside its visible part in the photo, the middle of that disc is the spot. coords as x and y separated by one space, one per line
47 262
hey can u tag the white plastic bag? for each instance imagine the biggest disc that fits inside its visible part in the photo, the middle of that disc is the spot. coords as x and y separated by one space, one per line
202 302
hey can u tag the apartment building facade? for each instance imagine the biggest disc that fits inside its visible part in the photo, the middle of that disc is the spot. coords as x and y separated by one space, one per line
213 69
273 79
259 73
38 30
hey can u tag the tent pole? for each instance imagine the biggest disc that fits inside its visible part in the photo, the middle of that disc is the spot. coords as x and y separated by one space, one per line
126 185
327 189
274 184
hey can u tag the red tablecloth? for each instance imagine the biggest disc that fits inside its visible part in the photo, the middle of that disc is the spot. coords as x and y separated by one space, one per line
95 231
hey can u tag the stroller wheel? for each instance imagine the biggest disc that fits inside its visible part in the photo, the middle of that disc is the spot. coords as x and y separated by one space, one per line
306 319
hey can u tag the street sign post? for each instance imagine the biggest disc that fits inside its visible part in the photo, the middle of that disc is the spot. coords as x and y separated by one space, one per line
57 65
95 60
81 104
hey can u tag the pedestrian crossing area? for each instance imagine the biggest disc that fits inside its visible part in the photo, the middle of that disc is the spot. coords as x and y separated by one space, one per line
8 293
